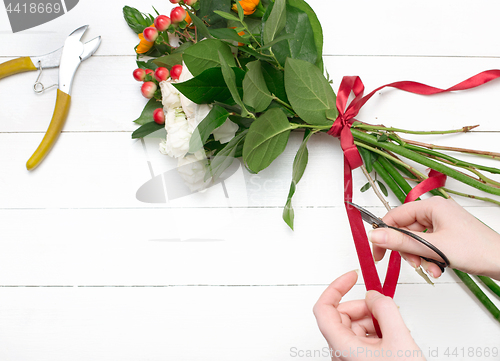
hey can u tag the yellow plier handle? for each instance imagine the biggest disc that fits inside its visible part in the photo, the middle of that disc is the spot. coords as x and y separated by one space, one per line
15 66
61 110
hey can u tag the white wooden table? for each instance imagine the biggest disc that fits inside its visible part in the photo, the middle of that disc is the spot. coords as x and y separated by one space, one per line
87 272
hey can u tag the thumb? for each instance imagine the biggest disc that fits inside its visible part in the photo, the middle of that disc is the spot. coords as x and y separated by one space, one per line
391 239
385 310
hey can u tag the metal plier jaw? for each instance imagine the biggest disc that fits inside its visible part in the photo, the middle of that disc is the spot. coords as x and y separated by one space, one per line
376 222
68 58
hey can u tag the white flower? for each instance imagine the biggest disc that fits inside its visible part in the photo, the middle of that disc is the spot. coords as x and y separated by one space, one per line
178 134
225 132
170 96
192 169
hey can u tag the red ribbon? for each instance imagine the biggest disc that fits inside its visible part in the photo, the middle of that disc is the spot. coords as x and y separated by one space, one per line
352 159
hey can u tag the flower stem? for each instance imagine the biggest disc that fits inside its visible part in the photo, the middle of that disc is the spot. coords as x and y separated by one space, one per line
453 160
426 161
286 105
395 188
492 155
485 199
481 296
375 188
492 285
369 127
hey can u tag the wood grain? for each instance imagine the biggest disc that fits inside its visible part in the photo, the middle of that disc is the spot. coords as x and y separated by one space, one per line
88 271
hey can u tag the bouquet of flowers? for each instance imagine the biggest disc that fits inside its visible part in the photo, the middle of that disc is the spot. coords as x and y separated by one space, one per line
232 79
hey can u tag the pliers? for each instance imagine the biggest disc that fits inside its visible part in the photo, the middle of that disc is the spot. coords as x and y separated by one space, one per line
68 59
376 222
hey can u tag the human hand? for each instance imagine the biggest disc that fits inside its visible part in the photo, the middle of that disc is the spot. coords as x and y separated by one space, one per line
470 245
349 330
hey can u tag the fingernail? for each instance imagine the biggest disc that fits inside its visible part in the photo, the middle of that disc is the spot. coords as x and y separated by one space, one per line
377 236
412 264
371 294
357 271
425 266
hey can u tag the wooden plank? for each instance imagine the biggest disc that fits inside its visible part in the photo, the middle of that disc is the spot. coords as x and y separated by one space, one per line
186 246
386 27
106 97
225 323
108 169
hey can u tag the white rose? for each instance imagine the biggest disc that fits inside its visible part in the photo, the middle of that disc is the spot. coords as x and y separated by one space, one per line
192 170
200 113
178 134
170 96
225 132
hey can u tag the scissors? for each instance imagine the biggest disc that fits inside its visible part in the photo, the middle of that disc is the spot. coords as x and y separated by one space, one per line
378 223
67 59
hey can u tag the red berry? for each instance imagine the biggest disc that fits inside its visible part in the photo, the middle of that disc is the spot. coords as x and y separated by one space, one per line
161 74
177 15
175 1
150 34
148 89
190 2
176 71
159 116
139 74
149 71
162 22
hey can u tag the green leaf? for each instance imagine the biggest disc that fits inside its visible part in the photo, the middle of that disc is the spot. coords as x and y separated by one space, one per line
212 121
209 87
200 25
368 159
299 167
241 13
255 92
146 129
382 188
316 27
227 16
225 157
228 34
365 187
230 79
277 40
147 64
168 61
135 19
266 139
147 113
208 12
205 55
301 45
310 94
276 21
275 80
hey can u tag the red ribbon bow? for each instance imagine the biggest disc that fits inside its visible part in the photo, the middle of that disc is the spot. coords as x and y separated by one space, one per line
352 159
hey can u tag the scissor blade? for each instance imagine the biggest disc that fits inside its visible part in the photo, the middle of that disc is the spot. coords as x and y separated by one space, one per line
78 33
368 217
90 47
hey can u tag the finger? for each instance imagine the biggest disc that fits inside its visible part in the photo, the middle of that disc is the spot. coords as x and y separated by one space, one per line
325 310
378 252
432 269
387 314
412 259
363 327
356 309
397 241
410 213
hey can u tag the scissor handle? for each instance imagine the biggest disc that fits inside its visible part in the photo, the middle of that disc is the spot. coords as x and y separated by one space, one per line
441 265
15 66
56 124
